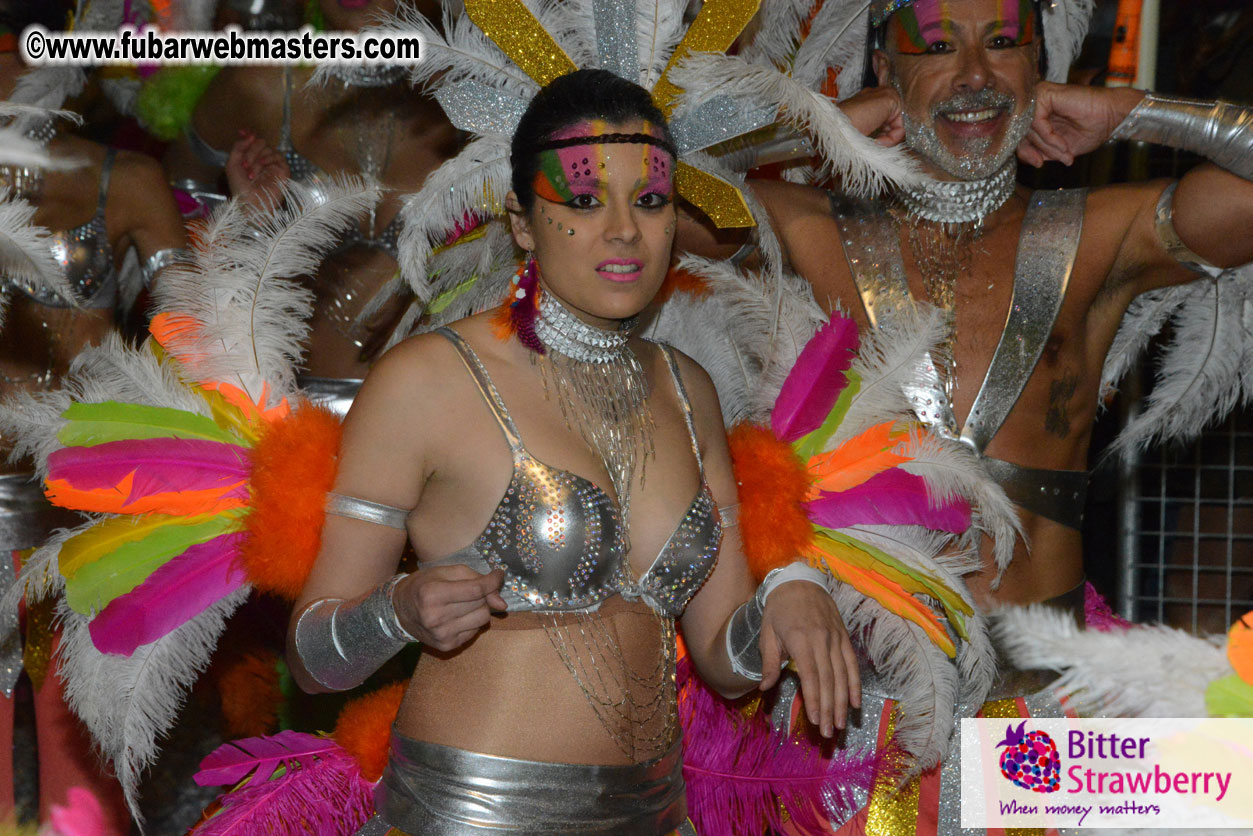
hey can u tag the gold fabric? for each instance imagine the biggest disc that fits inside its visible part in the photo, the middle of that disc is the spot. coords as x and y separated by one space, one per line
514 29
892 812
717 26
721 201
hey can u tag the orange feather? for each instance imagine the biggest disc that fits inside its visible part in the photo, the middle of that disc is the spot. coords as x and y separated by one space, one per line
1240 647
293 468
773 525
115 500
888 593
364 727
856 460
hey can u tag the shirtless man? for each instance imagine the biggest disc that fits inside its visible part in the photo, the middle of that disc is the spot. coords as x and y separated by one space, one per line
959 83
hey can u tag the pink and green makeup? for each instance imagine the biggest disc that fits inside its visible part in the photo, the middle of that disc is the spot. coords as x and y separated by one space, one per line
925 23
573 163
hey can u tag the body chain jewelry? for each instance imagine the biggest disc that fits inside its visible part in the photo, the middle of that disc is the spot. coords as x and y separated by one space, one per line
600 387
943 220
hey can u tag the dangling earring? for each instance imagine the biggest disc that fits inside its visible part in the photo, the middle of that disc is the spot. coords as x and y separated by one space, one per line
517 313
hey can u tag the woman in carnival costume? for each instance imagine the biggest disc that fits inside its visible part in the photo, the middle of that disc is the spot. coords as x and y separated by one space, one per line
592 581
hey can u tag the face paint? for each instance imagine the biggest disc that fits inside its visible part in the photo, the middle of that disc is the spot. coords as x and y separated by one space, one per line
575 170
1015 20
922 24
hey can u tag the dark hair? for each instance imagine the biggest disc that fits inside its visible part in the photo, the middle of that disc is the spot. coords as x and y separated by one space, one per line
575 97
878 40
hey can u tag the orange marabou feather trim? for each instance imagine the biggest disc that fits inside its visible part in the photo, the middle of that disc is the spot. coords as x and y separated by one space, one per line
773 486
364 727
293 468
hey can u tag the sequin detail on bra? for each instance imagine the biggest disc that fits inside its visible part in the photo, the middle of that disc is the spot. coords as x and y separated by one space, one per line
559 537
85 256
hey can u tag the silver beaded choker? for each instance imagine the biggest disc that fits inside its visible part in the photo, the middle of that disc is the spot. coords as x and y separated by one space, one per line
960 201
563 332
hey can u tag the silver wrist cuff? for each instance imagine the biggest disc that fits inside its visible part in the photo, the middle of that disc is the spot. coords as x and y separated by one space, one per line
1219 131
1164 223
743 634
340 643
744 628
161 259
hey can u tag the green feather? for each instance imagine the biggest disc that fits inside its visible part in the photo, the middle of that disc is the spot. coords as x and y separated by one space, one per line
911 579
97 423
813 443
96 584
1230 696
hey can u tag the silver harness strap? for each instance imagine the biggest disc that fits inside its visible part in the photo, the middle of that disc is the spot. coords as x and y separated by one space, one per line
1046 255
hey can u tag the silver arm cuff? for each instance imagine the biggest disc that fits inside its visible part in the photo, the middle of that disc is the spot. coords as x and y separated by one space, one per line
161 259
1219 131
340 643
744 628
1164 223
356 508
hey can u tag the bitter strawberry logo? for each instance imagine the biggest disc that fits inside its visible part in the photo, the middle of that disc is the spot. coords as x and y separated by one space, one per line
1031 761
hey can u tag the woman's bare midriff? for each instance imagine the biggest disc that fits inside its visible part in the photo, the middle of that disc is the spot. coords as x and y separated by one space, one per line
509 693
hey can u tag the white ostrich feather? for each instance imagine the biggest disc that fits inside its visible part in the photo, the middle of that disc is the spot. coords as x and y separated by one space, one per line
837 38
26 251
1199 378
1143 671
461 53
1144 318
934 554
913 670
474 181
659 28
129 702
1065 26
953 470
865 167
889 360
778 32
45 88
29 422
241 289
118 371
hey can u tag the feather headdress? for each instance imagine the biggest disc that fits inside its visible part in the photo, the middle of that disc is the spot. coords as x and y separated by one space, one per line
165 442
487 65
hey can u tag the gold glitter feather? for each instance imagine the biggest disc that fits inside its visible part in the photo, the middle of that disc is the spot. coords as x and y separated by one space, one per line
717 26
722 202
514 29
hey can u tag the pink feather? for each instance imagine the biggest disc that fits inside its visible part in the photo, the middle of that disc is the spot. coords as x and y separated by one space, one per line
892 497
172 595
160 465
816 380
741 780
320 792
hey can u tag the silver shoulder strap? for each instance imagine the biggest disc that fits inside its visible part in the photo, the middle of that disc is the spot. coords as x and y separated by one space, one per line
1046 257
873 248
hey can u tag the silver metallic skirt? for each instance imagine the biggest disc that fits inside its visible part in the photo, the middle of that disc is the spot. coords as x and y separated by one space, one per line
433 790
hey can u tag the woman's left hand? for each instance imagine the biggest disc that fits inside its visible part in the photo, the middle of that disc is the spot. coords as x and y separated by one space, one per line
801 623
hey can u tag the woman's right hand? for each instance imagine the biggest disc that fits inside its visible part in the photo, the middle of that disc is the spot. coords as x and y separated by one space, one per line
444 607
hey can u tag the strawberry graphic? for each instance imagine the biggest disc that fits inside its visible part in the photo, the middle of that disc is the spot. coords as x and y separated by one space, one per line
1031 759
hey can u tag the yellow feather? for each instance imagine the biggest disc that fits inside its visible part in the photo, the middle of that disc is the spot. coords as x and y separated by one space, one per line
108 535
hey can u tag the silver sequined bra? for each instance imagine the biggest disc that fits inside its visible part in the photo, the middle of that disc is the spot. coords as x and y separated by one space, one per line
560 538
85 257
